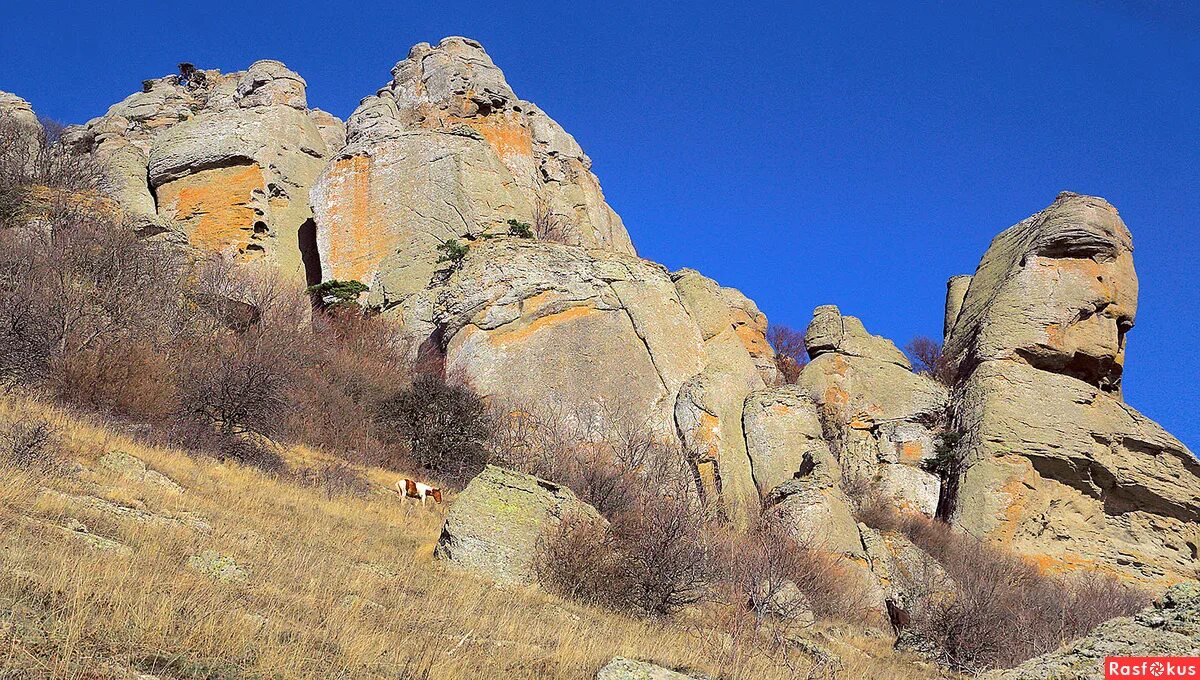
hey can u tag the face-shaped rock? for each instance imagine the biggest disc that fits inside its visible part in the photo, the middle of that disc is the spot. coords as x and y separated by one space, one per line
1057 291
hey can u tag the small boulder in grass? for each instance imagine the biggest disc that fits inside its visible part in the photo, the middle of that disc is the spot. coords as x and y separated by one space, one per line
621 668
218 567
132 467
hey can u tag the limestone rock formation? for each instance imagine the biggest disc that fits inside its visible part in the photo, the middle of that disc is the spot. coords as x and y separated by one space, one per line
816 511
1168 627
494 525
225 161
1051 461
446 150
881 419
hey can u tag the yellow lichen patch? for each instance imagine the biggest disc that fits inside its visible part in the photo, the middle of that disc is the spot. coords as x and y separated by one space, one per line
214 206
1017 490
706 470
836 397
522 330
1068 562
780 409
911 452
356 247
840 365
535 302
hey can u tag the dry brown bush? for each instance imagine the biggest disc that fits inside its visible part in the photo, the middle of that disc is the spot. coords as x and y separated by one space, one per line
1003 610
928 360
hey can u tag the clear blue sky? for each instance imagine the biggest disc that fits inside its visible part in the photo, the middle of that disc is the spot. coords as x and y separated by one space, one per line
844 153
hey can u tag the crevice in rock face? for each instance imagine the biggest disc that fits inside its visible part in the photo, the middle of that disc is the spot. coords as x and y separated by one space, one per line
310 256
1103 373
1096 481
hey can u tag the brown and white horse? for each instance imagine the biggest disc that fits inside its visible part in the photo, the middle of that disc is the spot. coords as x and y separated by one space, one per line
411 488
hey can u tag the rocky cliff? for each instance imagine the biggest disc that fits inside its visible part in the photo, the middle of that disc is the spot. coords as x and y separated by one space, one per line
482 234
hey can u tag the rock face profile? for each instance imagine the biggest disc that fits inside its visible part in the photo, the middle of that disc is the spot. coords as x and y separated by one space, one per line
494 525
224 161
1168 627
1051 461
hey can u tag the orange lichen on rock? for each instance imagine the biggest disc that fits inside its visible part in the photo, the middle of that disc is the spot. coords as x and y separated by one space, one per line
506 135
524 330
215 206
709 434
356 247
911 452
753 340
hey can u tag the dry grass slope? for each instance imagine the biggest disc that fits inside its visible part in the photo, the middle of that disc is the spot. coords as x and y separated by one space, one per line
335 588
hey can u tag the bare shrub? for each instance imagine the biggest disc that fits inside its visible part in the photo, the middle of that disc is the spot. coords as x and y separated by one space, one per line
1002 609
656 557
444 426
928 360
335 479
30 444
549 226
790 353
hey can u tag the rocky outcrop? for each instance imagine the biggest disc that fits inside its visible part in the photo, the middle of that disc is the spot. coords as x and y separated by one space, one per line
224 161
1168 627
444 151
881 419
783 435
1051 462
494 525
18 123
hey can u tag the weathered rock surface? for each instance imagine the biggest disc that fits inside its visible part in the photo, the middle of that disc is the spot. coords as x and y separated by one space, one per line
447 151
881 419
816 511
782 427
1056 291
1051 462
494 525
218 567
621 668
1168 627
226 161
21 124
132 467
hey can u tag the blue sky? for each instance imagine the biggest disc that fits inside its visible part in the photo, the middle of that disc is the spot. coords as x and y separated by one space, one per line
856 154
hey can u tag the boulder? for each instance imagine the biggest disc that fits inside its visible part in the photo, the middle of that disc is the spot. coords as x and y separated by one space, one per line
494 525
1050 461
782 427
815 510
131 467
25 128
621 668
1168 627
882 420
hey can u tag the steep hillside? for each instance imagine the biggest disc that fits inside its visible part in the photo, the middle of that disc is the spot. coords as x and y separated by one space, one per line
110 571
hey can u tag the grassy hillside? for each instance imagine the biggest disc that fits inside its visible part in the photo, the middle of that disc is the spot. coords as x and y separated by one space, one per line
98 580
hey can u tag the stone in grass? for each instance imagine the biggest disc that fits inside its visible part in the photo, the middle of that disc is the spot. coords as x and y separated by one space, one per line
621 668
132 467
219 567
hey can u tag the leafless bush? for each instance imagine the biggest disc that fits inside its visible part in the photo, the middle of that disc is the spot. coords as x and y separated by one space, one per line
335 479
30 444
549 226
790 353
928 360
444 426
656 557
1002 609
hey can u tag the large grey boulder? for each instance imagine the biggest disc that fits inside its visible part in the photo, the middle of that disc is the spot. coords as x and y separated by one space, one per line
493 527
782 427
621 668
1168 627
1051 462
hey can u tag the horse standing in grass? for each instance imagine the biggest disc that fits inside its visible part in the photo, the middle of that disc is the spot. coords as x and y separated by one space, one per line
411 488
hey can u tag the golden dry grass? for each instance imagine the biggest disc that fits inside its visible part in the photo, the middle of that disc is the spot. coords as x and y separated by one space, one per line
341 588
